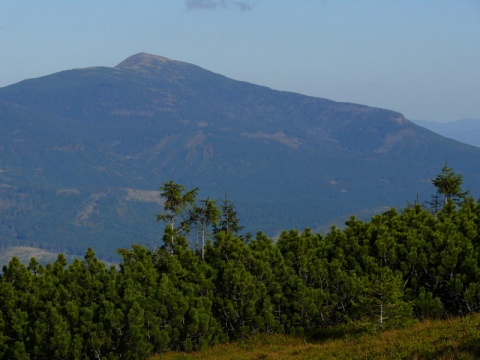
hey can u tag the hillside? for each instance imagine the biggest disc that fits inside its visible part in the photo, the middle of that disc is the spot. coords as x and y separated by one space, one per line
84 150
447 339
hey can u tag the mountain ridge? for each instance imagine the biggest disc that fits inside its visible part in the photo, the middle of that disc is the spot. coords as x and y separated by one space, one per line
287 160
464 130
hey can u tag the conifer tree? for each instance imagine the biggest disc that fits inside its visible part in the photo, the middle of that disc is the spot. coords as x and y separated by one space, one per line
449 185
380 300
177 200
204 216
228 222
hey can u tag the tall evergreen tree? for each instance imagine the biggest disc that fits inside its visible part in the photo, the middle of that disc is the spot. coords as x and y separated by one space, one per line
228 222
449 185
203 216
177 200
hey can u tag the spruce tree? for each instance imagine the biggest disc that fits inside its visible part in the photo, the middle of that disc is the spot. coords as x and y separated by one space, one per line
449 185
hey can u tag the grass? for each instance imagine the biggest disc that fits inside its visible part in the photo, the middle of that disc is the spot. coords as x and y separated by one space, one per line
25 253
457 338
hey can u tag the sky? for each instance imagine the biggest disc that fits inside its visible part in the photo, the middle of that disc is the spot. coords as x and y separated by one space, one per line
418 57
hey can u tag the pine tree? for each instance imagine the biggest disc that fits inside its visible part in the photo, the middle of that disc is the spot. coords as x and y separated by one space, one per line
380 301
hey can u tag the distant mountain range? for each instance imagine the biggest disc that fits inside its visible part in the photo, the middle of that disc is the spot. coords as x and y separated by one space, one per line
465 130
84 151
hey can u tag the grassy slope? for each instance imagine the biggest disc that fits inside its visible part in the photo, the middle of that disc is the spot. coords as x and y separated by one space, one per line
25 253
449 339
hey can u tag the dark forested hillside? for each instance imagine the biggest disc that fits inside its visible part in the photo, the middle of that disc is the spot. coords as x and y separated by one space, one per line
83 152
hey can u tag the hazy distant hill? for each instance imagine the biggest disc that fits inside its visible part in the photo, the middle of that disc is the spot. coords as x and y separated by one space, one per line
465 130
83 152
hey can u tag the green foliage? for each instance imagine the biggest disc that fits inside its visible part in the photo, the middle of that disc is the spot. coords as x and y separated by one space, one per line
202 217
380 303
449 185
176 201
229 222
369 276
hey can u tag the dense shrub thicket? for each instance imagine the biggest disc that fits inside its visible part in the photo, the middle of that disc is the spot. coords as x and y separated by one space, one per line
383 273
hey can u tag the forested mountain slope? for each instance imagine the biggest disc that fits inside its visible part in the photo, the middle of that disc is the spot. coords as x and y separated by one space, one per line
83 152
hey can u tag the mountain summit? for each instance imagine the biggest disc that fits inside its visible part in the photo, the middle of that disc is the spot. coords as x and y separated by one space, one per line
84 152
142 60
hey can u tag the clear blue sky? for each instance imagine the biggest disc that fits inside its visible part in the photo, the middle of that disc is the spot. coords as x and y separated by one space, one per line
418 57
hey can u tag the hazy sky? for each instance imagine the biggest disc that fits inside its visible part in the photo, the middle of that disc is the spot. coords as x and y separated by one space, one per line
418 57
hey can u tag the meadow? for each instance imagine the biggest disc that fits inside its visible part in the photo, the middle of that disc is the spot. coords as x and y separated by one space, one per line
455 338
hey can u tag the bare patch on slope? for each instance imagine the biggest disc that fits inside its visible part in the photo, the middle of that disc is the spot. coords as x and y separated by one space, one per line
392 140
144 196
90 208
126 112
72 191
281 138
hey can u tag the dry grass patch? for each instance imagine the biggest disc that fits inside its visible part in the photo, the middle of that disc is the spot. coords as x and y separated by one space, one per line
25 253
449 339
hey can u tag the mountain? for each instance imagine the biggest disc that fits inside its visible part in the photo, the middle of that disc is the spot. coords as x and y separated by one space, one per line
465 130
84 151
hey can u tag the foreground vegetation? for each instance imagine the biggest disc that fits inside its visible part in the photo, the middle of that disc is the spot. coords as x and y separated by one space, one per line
196 290
456 338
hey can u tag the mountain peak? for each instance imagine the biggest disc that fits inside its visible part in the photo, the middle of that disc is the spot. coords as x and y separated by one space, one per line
142 60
